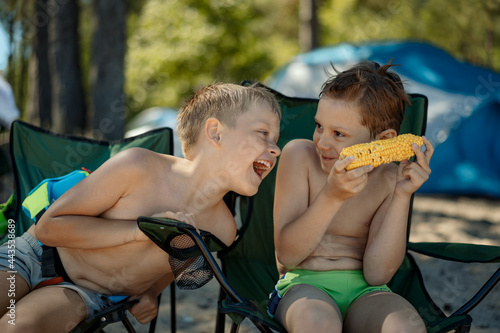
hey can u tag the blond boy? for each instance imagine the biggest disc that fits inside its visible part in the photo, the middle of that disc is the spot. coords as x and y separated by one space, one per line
229 136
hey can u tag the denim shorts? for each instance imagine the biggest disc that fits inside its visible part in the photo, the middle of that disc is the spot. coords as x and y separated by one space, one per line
25 262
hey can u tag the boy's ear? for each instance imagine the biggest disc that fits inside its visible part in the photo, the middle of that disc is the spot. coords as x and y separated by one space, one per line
213 131
387 134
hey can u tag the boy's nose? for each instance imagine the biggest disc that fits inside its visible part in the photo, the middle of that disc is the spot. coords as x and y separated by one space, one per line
324 143
274 149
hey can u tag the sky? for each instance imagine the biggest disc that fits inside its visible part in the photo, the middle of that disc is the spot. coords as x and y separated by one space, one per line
3 48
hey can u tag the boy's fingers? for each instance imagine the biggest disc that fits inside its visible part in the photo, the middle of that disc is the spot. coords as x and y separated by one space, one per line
429 149
169 215
422 158
361 170
340 165
403 164
188 218
416 174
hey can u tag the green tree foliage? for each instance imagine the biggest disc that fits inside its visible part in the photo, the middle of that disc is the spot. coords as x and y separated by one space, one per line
179 45
464 28
175 46
13 16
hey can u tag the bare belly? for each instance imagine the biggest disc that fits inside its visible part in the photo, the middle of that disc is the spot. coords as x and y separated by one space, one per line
330 264
127 270
336 253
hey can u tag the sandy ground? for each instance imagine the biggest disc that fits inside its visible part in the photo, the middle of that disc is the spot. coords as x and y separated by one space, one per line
435 219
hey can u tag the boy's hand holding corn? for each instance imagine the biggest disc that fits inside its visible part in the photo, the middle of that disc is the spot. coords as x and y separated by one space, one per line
344 185
412 175
400 148
378 152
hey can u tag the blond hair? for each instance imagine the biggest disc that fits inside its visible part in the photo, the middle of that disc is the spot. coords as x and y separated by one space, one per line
223 101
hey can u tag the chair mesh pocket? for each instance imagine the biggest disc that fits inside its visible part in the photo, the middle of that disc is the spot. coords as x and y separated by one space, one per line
190 269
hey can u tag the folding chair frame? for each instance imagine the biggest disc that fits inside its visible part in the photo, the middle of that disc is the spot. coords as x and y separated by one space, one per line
160 140
460 320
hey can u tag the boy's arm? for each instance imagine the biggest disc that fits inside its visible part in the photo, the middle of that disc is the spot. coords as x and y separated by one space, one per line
298 225
73 220
386 244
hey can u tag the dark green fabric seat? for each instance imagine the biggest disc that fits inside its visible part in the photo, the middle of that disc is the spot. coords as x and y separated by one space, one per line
37 154
249 264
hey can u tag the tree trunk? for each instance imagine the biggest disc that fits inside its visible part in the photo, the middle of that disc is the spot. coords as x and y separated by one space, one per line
107 68
39 103
68 107
308 25
11 70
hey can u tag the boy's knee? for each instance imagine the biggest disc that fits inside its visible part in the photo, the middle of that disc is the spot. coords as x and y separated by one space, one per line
22 323
33 326
410 323
9 325
317 322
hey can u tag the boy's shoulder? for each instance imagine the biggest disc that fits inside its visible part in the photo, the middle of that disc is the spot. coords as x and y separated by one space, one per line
299 146
136 160
138 155
298 152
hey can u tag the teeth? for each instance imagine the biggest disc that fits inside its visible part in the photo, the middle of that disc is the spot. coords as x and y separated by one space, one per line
261 165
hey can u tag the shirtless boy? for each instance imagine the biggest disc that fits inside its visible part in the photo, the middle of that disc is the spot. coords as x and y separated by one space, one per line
340 235
228 134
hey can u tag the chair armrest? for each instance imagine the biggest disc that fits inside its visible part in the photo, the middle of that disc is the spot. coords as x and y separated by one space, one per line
464 253
459 252
109 315
162 231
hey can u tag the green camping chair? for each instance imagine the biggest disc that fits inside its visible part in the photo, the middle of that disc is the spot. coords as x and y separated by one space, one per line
37 154
249 264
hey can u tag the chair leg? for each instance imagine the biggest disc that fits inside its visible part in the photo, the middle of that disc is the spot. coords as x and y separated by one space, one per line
220 319
152 325
235 328
173 324
128 325
463 329
220 322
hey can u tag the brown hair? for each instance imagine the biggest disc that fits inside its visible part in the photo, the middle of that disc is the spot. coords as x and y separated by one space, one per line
223 101
378 92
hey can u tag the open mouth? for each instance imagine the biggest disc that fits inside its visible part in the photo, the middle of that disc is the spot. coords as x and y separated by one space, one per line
261 166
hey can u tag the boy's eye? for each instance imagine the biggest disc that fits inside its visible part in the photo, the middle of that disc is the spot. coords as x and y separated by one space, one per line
336 133
263 132
318 126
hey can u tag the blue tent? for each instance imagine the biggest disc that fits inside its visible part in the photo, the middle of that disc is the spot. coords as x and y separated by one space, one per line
464 106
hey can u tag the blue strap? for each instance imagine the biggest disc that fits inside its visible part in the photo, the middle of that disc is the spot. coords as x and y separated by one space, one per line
116 298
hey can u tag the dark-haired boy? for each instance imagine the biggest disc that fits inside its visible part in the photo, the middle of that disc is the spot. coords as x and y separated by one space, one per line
340 235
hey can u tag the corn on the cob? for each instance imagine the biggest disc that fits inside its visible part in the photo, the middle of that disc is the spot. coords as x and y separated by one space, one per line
381 151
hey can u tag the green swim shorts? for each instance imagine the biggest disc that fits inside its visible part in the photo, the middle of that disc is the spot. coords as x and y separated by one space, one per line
344 287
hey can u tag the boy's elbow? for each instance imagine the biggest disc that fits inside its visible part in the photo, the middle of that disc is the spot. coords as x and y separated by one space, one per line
286 260
282 260
377 280
378 277
42 232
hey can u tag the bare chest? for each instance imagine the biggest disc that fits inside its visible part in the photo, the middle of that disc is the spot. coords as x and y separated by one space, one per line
146 200
129 269
355 216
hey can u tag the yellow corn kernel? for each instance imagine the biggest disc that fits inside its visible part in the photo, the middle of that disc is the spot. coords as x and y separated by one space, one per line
381 151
